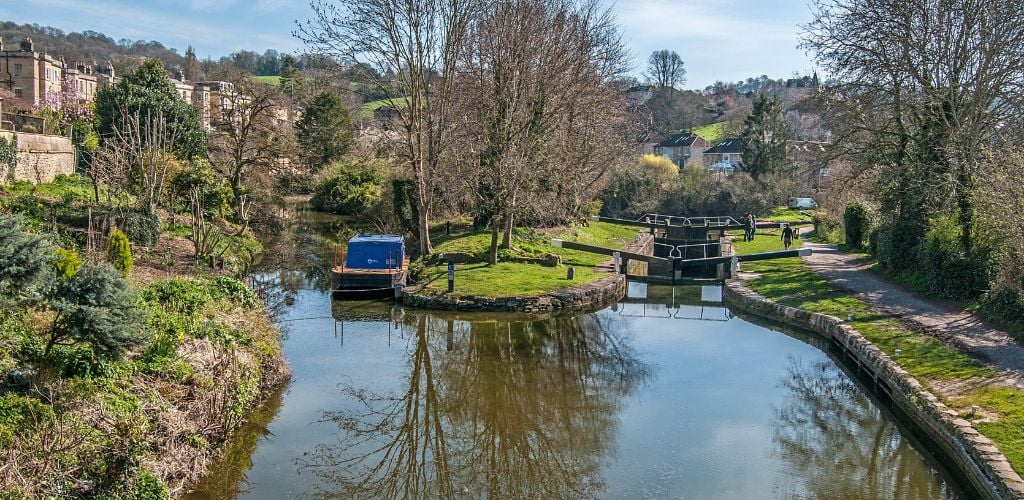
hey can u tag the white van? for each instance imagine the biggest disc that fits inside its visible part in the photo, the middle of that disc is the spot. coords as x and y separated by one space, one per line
798 203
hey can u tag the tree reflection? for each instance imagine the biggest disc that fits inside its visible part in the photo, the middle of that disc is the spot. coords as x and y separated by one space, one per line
501 409
839 444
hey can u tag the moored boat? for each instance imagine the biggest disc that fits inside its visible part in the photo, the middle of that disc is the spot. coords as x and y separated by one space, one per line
372 265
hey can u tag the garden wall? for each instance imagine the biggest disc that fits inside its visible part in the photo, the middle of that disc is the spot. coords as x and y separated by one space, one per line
41 158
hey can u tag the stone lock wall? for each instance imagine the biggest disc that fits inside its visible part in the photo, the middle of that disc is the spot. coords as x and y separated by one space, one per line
588 297
41 158
975 456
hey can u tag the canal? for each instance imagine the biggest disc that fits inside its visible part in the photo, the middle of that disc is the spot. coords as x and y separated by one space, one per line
665 395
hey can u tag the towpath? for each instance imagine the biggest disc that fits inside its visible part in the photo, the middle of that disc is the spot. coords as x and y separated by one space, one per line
956 327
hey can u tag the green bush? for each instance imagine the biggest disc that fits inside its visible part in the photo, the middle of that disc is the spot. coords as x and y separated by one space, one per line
948 270
1006 306
856 224
67 264
26 264
826 227
149 487
96 306
351 190
141 226
119 251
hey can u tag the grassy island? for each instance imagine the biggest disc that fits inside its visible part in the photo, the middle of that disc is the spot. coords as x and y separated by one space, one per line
530 267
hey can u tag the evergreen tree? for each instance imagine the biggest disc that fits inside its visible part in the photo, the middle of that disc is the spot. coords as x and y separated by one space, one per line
325 131
119 251
764 137
150 93
95 306
290 77
26 265
191 69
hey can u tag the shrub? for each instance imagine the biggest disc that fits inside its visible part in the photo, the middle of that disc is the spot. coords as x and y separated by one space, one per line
67 264
119 251
141 226
948 270
826 227
855 223
349 191
26 264
96 306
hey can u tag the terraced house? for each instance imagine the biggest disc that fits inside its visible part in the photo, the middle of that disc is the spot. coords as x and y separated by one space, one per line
31 77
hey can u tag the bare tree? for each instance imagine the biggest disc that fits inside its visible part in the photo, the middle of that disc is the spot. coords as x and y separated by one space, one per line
535 92
142 151
253 137
409 49
922 86
665 69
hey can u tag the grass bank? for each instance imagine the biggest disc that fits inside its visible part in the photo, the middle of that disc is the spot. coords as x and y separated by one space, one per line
518 271
144 425
933 363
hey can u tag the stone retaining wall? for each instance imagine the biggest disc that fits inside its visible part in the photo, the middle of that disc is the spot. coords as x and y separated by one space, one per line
41 158
589 297
974 455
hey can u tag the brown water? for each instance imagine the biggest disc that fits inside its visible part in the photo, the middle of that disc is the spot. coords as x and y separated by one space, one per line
651 398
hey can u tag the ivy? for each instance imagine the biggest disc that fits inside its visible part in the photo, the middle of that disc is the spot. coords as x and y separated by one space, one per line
9 154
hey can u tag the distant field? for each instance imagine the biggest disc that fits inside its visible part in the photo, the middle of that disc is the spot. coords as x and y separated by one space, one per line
367 110
273 80
712 133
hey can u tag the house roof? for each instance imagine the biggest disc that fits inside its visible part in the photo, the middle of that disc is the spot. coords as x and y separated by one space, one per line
678 140
730 145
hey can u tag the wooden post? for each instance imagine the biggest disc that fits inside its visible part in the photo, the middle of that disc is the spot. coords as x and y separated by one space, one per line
451 276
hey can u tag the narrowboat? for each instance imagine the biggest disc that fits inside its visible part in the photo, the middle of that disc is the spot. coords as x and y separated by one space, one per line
372 265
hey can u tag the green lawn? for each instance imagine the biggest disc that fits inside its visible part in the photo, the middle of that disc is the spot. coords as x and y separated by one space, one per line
519 278
368 108
712 132
272 80
789 282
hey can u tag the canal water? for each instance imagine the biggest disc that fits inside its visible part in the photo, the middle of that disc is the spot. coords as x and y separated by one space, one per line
668 394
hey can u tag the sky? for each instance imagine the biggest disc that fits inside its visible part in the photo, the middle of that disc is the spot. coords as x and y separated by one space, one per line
726 40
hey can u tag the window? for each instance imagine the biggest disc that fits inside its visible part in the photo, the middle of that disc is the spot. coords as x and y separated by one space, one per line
17 70
18 93
47 74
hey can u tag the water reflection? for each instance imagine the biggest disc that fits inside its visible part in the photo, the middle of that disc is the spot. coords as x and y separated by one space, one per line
827 424
498 408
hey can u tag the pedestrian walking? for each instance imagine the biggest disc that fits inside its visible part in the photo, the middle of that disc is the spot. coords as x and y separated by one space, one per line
787 236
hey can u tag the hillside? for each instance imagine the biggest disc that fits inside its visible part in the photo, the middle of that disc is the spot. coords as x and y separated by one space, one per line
87 45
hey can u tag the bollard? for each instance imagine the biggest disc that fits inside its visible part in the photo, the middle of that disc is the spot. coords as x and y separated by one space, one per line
398 290
451 276
570 273
617 261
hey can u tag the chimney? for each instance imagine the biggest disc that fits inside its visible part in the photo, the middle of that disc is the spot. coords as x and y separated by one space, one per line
26 45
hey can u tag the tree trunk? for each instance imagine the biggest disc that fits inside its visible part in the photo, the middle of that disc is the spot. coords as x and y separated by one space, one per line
492 253
423 218
506 239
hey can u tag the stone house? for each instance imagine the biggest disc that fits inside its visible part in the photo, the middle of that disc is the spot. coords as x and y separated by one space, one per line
726 156
639 94
683 149
28 74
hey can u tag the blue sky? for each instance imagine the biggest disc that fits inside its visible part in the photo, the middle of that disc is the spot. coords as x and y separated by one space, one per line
718 39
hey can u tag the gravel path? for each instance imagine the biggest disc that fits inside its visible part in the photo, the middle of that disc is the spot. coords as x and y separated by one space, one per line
956 327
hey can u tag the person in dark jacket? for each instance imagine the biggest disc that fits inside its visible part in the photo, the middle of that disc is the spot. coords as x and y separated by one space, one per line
787 236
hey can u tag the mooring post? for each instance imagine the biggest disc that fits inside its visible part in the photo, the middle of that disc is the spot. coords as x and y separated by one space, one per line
617 261
451 276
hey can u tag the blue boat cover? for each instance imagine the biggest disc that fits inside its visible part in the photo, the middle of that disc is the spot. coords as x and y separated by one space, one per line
375 251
